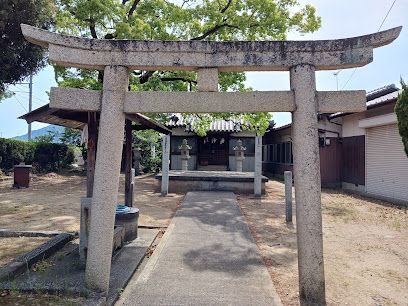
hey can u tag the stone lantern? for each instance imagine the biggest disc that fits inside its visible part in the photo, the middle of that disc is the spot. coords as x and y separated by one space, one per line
185 154
239 155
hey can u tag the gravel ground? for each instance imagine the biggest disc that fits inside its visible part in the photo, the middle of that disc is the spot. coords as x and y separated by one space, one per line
365 243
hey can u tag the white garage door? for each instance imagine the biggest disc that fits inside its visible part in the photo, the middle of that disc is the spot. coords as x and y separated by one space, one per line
386 163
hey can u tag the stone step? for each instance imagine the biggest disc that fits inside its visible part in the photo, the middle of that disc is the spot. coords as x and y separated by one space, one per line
212 168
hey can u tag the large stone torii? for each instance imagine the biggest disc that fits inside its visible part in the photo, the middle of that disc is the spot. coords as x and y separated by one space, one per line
301 58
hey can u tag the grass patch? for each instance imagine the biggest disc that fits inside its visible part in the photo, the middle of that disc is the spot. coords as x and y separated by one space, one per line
41 266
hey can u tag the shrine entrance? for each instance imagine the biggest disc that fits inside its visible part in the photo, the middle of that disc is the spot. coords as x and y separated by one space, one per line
213 151
301 58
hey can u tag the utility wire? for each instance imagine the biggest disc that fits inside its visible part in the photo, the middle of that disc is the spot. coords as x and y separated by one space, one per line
23 97
386 16
379 28
21 104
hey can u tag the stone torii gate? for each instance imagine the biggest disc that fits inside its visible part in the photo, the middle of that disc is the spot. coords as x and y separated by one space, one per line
301 58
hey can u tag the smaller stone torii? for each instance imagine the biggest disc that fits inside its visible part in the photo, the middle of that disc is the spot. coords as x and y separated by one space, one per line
301 58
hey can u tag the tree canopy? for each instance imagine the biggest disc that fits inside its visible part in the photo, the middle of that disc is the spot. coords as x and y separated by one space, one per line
181 20
401 109
18 57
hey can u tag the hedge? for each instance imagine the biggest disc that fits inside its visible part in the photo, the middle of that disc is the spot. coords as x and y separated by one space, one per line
44 157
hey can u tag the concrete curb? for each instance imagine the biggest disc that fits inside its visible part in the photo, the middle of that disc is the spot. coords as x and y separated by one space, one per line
16 233
156 254
22 263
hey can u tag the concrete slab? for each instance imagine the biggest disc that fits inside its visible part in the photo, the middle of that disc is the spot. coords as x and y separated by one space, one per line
238 182
206 257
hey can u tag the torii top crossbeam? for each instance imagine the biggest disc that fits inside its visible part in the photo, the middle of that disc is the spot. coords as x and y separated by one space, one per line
114 101
226 56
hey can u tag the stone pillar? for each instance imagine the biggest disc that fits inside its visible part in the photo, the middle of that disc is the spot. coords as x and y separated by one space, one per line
307 186
258 167
288 195
207 79
165 165
106 184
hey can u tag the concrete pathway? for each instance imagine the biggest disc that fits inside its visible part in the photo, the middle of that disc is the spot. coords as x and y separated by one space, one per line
206 257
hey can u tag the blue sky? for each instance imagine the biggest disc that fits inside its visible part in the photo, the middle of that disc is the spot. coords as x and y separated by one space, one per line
340 19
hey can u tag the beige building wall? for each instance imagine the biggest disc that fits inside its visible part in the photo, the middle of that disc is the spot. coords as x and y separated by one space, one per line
350 122
350 125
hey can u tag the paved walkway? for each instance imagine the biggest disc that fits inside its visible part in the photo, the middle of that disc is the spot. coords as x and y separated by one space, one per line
206 257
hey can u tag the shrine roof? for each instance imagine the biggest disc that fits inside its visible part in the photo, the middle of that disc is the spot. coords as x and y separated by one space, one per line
78 119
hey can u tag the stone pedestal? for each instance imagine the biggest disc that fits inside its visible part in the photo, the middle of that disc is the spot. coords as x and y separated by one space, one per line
239 155
129 221
306 168
185 154
106 184
184 164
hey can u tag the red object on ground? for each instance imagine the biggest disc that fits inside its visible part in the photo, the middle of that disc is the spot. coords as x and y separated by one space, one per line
22 176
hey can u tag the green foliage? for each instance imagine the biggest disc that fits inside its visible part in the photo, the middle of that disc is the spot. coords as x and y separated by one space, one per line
20 58
43 156
52 157
48 138
73 138
5 94
401 109
145 141
181 20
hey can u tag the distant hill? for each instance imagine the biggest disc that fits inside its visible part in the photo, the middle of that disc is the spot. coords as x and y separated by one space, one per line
43 131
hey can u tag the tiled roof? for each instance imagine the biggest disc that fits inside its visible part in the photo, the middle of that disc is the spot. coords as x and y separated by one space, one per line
377 97
218 125
391 97
381 91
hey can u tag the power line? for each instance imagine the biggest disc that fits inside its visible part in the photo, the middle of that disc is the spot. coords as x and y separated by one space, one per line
379 28
21 104
386 16
25 98
351 76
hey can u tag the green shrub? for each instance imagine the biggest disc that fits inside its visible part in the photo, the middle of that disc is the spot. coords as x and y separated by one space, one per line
401 109
150 164
43 156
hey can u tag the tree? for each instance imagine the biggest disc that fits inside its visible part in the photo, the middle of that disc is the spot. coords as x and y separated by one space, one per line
401 109
19 58
73 137
145 141
181 20
47 138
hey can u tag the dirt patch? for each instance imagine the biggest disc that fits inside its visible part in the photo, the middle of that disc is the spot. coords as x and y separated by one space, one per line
365 243
53 203
10 248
